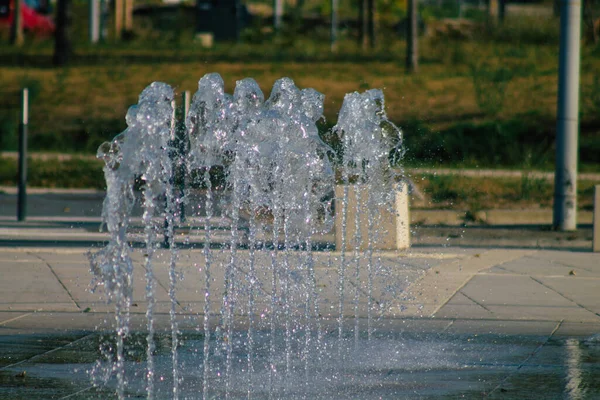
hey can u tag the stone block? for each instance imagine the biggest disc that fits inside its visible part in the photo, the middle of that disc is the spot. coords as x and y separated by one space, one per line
392 225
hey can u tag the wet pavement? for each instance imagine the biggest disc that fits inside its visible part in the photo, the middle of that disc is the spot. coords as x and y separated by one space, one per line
460 322
409 364
501 312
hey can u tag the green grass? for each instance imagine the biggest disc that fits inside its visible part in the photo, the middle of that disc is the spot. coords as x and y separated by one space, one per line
485 193
489 101
55 173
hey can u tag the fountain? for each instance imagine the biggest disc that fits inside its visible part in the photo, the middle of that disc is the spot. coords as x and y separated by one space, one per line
268 323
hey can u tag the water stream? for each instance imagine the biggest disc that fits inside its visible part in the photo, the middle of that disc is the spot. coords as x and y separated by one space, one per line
262 296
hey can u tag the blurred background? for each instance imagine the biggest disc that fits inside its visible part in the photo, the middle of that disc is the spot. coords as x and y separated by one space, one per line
479 93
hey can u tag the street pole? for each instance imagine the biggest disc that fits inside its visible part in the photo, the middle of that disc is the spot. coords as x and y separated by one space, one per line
277 14
567 126
22 173
183 150
94 21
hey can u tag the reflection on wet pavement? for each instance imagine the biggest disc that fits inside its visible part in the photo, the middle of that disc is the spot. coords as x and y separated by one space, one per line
399 365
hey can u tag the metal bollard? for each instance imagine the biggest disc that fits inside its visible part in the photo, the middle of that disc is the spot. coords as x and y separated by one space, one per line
596 226
183 147
22 178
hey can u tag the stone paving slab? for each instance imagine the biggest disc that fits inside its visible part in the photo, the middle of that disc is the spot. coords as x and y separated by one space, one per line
475 289
585 292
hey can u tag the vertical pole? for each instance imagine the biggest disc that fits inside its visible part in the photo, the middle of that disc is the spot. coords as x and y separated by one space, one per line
412 51
16 30
596 226
22 184
118 19
94 21
183 146
567 126
128 15
371 5
277 14
362 24
334 25
104 16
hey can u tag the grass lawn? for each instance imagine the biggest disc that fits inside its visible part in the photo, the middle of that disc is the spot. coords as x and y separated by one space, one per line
489 100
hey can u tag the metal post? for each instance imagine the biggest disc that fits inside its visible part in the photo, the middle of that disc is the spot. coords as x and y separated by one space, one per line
183 146
567 132
334 24
94 21
22 184
596 225
277 14
104 17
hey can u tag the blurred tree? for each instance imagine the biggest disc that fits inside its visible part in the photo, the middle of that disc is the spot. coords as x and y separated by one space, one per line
363 39
371 10
16 29
412 52
592 25
62 42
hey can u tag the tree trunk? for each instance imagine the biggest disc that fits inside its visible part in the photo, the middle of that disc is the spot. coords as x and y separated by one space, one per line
363 24
334 25
371 23
412 54
62 44
16 29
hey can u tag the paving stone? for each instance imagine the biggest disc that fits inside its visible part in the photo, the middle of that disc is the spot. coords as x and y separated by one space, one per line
536 266
583 291
460 306
494 290
571 329
32 286
503 327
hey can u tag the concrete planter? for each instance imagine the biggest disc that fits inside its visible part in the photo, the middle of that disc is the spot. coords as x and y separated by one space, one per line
394 224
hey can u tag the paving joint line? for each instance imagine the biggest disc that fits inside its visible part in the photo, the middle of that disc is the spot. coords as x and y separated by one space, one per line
6 367
447 327
69 396
562 295
475 301
16 318
453 294
564 265
58 279
529 357
473 275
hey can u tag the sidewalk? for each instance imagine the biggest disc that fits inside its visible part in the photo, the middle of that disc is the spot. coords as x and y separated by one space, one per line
438 289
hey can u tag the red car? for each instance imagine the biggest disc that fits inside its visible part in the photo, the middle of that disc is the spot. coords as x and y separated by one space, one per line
32 20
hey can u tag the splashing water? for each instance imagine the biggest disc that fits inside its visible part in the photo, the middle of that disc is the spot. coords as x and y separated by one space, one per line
278 184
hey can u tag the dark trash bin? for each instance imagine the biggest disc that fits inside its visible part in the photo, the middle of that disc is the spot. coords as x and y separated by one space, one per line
225 19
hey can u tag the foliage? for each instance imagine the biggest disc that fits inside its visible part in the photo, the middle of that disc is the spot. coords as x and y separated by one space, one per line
490 82
516 142
523 30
